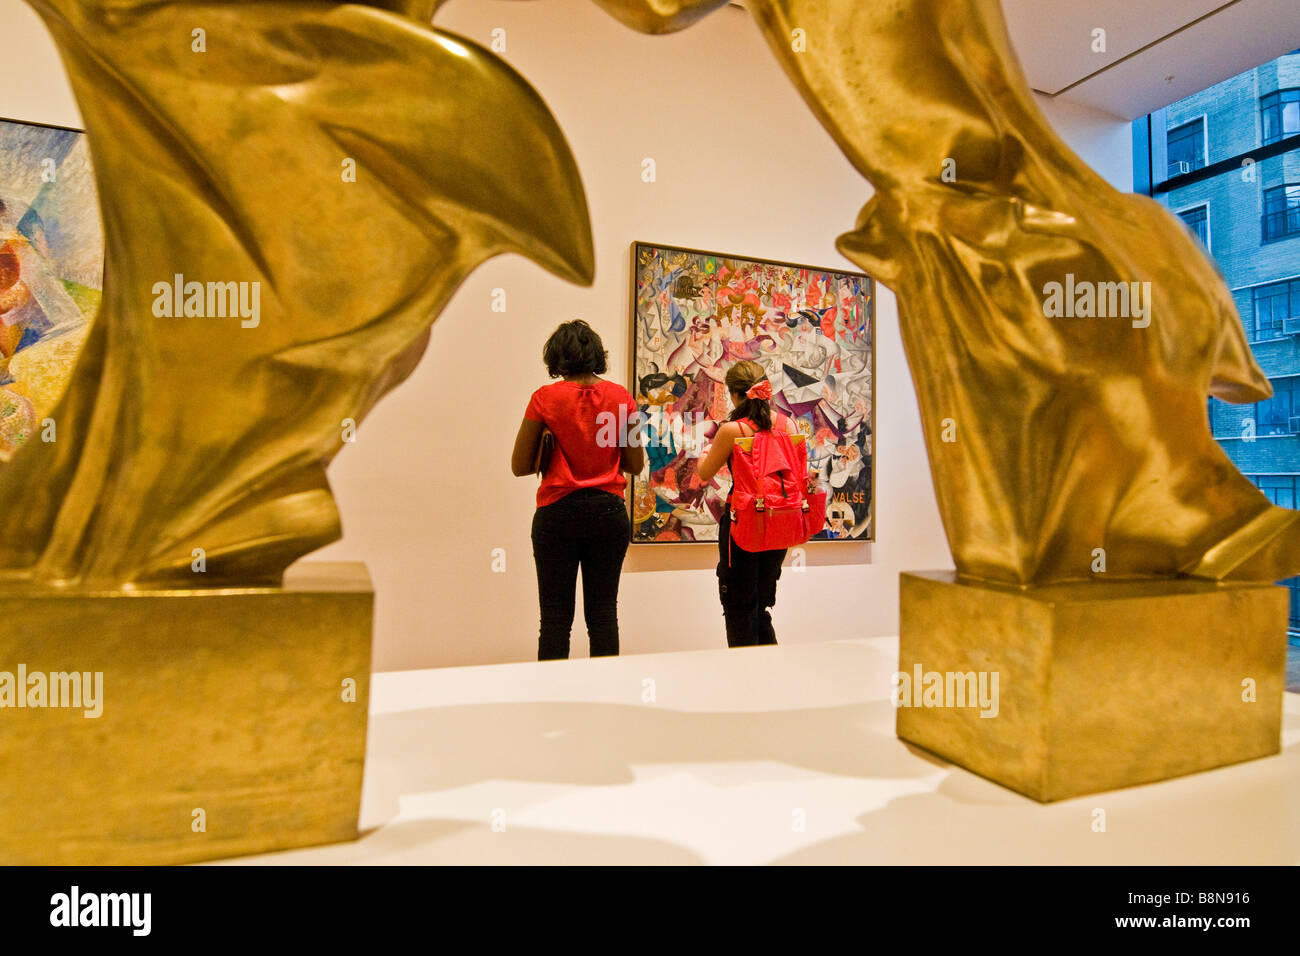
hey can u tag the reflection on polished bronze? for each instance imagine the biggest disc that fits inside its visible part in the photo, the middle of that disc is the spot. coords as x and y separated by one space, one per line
1062 443
291 193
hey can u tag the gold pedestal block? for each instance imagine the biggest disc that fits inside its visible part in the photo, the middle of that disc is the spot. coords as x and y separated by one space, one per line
230 721
1098 685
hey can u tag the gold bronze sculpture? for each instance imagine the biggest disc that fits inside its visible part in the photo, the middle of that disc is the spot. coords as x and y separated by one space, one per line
292 191
1063 339
344 163
1066 434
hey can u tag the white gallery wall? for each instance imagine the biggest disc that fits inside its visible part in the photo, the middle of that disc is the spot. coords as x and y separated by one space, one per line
426 494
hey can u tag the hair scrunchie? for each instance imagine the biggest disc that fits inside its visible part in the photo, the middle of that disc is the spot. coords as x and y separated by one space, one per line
762 389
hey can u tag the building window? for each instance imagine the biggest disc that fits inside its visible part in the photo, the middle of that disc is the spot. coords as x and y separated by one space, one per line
1277 309
1198 220
1279 489
1294 624
1262 268
1281 111
1282 491
1280 415
1187 147
1281 212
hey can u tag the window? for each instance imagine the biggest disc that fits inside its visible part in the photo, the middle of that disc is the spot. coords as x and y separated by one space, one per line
1294 585
1278 415
1198 220
1281 112
1187 147
1262 268
1282 490
1277 309
1281 212
1279 489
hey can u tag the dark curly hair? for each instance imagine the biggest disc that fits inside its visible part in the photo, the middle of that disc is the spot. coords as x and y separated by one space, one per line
574 349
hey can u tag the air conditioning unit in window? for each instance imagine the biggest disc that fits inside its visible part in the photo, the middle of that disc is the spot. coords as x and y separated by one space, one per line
1291 326
1293 425
1179 168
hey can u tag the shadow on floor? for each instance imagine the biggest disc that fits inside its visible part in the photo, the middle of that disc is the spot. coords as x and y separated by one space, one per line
1212 818
425 842
1199 819
430 750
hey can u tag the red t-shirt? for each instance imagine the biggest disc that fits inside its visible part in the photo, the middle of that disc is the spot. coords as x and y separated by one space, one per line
579 415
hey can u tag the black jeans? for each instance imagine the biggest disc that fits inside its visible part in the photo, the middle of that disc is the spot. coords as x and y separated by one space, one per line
747 589
587 528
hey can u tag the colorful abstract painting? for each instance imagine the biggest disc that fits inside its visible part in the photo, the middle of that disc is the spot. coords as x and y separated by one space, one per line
694 314
51 271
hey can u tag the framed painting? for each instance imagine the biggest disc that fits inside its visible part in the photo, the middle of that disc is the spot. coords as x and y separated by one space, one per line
694 314
51 270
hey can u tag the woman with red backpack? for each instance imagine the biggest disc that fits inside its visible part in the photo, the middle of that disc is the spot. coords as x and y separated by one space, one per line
769 509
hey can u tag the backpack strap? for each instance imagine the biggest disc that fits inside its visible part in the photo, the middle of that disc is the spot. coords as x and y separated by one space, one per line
779 423
743 423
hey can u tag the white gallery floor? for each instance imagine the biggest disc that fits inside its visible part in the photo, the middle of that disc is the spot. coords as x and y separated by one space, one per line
763 755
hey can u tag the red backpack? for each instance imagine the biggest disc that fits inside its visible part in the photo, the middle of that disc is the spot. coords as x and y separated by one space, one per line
773 504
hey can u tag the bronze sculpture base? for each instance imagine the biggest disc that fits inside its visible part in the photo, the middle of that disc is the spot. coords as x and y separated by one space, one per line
227 722
1099 685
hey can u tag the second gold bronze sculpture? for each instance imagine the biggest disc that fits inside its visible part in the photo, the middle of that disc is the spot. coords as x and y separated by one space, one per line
1050 440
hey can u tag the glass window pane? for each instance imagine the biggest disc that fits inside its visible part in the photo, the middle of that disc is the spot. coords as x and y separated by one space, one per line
1280 113
1281 212
1260 265
1186 147
1198 221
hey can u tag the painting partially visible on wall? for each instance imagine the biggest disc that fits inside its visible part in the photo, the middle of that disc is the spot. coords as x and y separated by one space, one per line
696 313
51 271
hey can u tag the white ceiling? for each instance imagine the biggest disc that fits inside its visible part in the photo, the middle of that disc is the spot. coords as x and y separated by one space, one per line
1157 51
1055 41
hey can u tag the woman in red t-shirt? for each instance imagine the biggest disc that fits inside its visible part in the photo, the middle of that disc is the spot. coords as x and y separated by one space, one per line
581 520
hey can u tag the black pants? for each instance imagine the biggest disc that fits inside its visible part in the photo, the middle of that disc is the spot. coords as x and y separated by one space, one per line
747 588
588 529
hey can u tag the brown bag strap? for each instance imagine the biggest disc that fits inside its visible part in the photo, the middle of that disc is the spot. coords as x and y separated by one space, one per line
545 451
